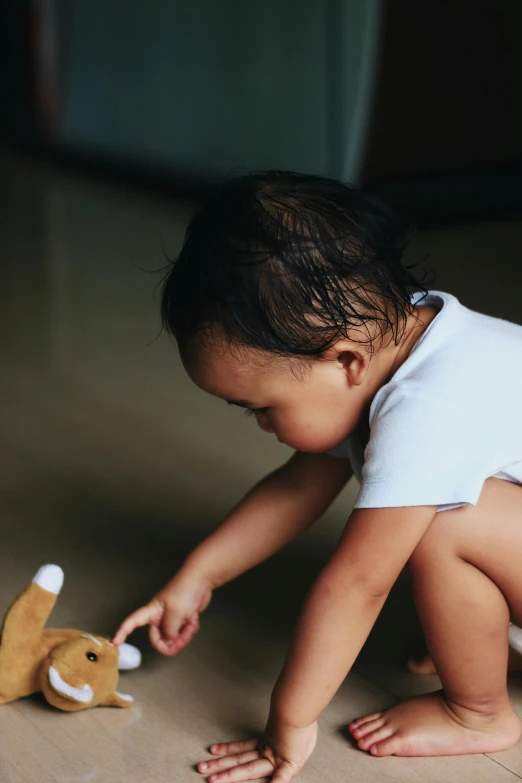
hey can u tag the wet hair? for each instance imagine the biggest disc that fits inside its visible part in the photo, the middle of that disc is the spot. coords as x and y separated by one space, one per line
287 264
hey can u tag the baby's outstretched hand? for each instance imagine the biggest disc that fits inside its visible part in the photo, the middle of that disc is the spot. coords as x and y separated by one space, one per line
172 615
280 755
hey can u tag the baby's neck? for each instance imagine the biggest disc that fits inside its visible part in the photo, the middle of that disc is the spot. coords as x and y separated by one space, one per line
416 325
387 362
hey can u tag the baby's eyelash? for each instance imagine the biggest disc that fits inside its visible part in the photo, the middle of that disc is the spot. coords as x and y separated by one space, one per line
253 411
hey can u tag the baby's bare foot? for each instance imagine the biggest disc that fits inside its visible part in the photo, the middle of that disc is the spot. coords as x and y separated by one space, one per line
431 726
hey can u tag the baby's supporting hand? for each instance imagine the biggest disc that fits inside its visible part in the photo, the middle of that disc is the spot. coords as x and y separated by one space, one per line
172 615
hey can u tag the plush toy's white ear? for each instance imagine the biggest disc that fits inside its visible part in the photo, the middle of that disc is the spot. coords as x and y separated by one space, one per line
130 657
50 578
515 637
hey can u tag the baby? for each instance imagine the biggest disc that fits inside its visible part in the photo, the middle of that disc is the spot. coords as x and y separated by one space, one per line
290 299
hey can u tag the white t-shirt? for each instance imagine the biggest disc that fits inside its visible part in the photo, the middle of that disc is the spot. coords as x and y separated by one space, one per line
449 418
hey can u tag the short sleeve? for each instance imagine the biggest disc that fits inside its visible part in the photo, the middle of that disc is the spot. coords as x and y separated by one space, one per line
423 451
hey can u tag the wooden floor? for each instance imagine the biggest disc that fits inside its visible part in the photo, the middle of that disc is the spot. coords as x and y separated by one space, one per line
114 466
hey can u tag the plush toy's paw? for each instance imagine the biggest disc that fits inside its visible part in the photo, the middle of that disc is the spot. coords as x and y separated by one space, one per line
130 657
50 578
116 699
124 697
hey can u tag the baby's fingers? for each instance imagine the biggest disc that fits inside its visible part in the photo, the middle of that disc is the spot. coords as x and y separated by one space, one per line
172 644
151 613
186 634
234 748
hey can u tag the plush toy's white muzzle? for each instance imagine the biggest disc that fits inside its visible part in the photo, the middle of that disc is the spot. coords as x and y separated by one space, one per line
83 694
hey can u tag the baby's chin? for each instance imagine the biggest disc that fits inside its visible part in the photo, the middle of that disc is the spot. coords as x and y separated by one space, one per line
315 447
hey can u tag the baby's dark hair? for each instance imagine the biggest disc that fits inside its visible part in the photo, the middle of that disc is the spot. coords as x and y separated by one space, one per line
289 263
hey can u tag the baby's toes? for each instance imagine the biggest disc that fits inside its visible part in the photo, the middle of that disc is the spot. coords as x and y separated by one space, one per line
374 739
386 746
367 728
355 724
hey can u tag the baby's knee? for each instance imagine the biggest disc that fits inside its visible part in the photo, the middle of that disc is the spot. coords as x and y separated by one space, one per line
441 545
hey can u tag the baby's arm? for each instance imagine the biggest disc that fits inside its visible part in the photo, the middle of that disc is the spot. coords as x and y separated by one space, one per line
277 510
342 607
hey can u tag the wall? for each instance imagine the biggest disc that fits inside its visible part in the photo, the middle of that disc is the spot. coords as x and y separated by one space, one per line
206 87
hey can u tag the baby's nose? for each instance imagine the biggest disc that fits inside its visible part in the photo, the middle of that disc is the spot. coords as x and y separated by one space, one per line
264 425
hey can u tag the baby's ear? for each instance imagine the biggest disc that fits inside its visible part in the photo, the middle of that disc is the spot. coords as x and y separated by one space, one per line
116 699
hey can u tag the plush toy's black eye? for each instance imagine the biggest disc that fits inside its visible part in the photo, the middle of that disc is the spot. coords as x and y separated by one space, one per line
92 656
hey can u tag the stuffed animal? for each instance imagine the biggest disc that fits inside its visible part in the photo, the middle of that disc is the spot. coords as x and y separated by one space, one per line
75 670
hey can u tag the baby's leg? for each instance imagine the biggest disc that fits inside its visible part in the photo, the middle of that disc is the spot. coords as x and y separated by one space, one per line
423 663
466 579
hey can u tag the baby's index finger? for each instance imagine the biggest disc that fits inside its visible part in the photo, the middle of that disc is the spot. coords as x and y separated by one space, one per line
118 638
137 619
120 635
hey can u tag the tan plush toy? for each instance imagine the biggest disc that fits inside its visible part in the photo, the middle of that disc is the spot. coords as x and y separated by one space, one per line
75 670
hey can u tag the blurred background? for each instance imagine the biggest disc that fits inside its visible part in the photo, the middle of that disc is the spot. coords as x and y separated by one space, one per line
419 100
115 118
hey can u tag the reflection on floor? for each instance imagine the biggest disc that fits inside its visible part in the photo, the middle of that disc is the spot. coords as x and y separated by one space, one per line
114 466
